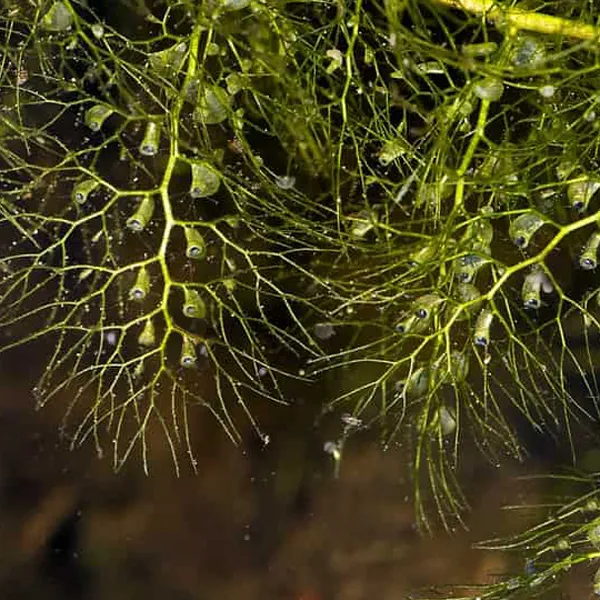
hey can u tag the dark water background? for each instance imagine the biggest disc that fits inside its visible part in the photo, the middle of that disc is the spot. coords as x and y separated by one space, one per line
252 524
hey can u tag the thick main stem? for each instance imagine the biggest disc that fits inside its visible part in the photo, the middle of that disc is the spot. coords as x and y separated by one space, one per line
528 20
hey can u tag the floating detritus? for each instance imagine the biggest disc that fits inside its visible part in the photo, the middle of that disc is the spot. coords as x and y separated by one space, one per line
324 331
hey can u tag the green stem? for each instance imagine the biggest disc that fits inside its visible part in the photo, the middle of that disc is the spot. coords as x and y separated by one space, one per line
521 19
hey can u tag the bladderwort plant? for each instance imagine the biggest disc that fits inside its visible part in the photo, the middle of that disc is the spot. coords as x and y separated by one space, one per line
201 202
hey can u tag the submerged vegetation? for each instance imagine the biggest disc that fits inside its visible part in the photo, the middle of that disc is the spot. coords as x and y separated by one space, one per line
204 202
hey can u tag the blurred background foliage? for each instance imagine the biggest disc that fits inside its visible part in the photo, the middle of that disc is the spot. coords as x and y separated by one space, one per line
207 206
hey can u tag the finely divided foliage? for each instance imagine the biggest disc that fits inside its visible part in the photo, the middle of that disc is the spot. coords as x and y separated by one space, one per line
201 201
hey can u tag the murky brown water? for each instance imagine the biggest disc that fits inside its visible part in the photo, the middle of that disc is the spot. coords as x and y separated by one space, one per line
275 525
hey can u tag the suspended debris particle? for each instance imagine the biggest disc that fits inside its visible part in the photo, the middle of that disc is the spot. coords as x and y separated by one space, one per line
336 57
324 331
111 337
141 217
206 180
285 182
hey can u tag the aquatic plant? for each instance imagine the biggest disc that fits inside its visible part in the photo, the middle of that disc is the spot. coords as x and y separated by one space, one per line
205 201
